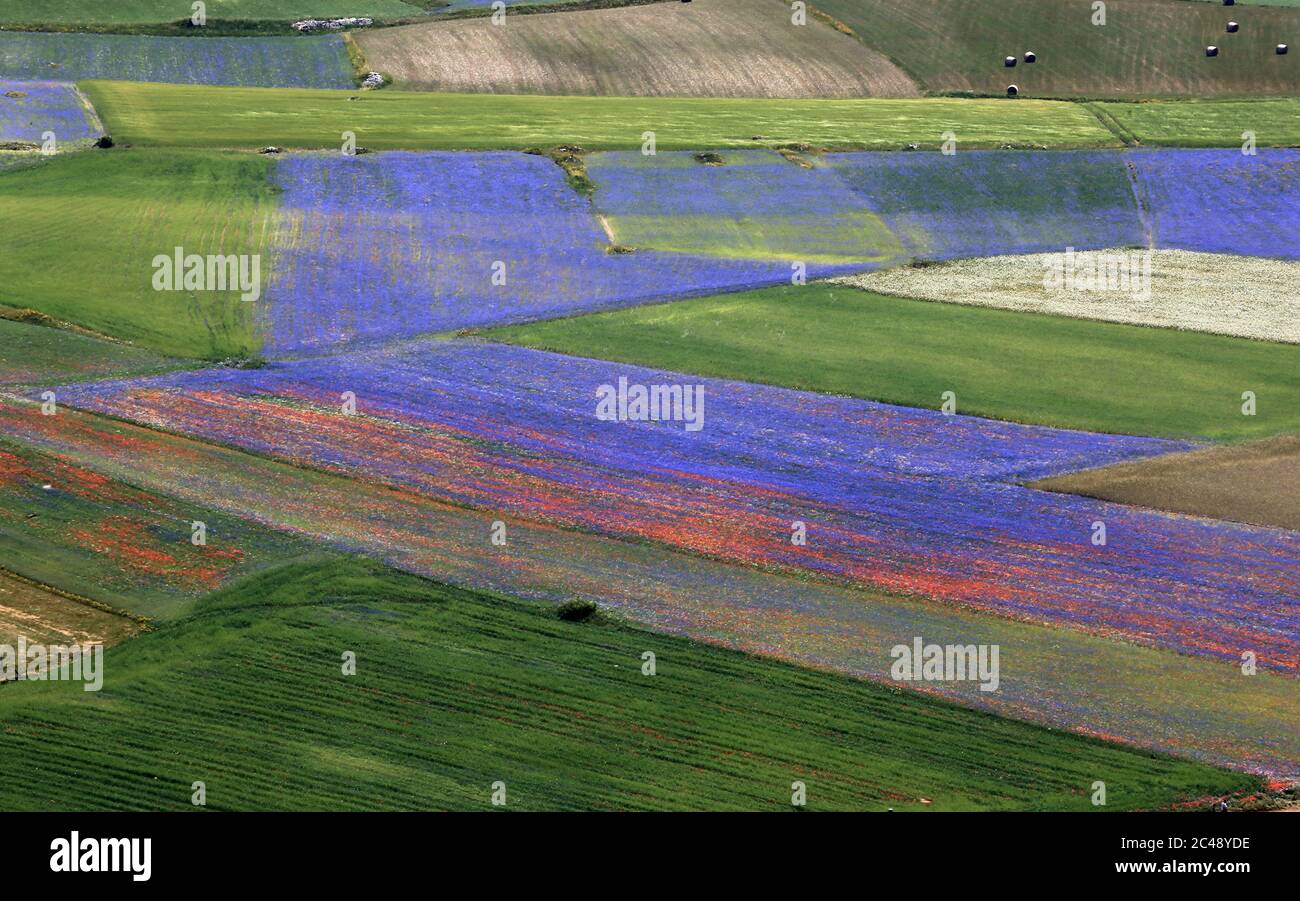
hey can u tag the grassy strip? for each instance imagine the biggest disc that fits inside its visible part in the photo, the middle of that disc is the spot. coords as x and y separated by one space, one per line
118 211
1209 123
1007 365
455 690
202 116
33 353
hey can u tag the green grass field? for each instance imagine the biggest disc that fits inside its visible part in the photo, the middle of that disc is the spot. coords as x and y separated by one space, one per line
82 232
40 355
455 690
1016 366
247 118
1146 48
201 116
1209 123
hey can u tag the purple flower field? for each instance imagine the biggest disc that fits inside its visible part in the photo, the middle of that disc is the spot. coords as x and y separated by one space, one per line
907 500
28 109
672 200
1222 201
398 244
990 203
287 62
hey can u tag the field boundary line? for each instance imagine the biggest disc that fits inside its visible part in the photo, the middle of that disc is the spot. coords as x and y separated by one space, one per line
144 621
1110 123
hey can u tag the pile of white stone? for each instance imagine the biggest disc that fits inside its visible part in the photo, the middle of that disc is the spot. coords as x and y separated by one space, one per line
332 24
372 80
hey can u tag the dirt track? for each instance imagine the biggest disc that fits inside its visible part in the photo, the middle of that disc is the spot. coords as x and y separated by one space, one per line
708 48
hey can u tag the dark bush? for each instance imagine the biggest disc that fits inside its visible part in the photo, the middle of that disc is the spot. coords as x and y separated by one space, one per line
576 611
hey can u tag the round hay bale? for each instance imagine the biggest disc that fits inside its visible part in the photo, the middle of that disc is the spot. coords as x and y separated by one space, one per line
1281 49
1009 62
1031 56
1013 90
1233 27
1211 50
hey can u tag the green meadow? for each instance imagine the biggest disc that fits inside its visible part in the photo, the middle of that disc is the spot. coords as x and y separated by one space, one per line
1209 123
40 355
82 232
301 118
1023 367
454 691
202 116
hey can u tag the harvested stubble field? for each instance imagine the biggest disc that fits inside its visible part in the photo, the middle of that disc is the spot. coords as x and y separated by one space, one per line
1247 297
1063 678
1070 373
39 615
1251 483
247 696
251 118
1146 48
709 48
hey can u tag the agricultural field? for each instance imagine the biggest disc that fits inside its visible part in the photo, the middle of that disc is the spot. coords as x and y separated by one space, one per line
291 62
1221 201
121 210
1017 366
64 526
40 354
1205 123
201 116
36 613
599 399
1067 679
1251 483
709 48
440 260
1167 288
475 688
626 230
30 110
1145 48
432 421
748 203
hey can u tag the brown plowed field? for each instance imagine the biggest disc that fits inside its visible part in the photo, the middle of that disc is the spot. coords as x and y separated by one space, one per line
1252 483
708 48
